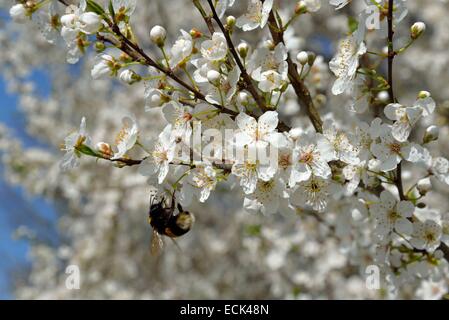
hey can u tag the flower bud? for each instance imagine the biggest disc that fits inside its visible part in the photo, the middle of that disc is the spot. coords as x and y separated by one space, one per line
195 33
105 65
383 96
105 149
243 49
90 22
417 30
213 76
243 97
312 58
99 46
432 133
230 22
424 186
295 133
155 100
302 57
124 57
19 13
158 35
129 76
424 94
301 7
421 205
320 100
269 44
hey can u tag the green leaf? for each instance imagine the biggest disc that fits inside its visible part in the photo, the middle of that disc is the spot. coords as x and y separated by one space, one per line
86 150
111 10
253 230
94 7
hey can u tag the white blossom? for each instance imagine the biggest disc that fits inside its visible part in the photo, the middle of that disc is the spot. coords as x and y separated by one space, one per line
182 49
258 133
267 196
343 146
392 215
223 89
200 182
19 13
160 157
127 137
440 169
314 192
104 66
256 16
344 65
216 48
391 151
311 155
180 118
222 6
71 143
405 119
339 3
426 235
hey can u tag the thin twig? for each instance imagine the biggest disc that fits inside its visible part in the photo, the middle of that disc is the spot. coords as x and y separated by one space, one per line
248 81
391 55
301 90
207 19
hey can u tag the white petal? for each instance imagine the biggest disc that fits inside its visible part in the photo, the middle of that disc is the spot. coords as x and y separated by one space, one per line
406 209
404 227
246 123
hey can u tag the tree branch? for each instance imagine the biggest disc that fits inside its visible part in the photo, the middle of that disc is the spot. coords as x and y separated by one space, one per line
207 18
246 78
301 90
391 55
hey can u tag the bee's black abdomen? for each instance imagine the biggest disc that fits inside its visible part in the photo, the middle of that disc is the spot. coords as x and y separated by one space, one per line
180 224
165 222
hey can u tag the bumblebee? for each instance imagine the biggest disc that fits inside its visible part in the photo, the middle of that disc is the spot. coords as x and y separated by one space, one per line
165 222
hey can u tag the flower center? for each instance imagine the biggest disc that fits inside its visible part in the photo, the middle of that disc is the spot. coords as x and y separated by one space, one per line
266 186
122 135
160 156
284 161
306 158
430 237
187 116
393 215
395 147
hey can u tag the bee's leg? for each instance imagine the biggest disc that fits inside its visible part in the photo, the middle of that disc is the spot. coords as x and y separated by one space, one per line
180 207
173 200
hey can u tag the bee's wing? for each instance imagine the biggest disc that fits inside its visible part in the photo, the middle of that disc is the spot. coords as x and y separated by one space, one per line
156 243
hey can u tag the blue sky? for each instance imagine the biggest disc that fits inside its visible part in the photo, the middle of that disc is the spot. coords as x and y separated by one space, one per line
16 207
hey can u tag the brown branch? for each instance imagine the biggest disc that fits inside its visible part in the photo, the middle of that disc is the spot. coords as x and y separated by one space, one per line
301 90
134 162
391 55
138 54
207 19
246 78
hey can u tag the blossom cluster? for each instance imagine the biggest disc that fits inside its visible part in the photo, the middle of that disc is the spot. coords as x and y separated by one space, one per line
208 88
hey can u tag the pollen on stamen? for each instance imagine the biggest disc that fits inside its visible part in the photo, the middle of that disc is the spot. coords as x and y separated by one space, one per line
395 147
306 158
